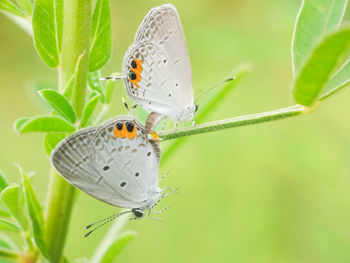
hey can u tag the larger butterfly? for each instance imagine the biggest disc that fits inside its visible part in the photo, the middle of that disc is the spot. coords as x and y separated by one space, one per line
114 163
157 68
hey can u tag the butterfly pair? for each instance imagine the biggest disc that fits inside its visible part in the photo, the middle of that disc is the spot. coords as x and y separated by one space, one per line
116 162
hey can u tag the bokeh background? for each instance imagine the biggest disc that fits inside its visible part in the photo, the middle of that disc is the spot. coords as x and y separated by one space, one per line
275 192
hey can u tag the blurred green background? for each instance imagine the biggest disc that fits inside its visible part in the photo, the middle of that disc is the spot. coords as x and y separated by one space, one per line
276 192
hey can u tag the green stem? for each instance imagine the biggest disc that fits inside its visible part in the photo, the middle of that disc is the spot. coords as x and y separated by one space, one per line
75 47
234 122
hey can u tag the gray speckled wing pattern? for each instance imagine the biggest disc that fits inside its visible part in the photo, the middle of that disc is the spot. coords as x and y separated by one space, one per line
163 81
120 168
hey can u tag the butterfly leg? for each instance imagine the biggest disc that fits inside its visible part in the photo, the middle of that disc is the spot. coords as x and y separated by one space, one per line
149 215
164 176
160 211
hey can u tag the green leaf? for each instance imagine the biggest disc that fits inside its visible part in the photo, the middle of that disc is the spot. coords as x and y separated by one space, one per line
3 212
10 199
101 40
317 70
95 83
8 6
47 27
338 81
51 140
9 226
47 124
3 181
88 110
35 212
6 242
314 20
117 246
26 5
19 123
59 103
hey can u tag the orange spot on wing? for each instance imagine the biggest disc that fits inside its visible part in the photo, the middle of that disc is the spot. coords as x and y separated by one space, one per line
120 133
137 71
131 135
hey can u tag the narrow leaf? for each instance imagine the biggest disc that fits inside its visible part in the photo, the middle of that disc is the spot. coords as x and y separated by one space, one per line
338 81
59 103
88 110
101 40
35 213
19 123
95 83
26 5
8 226
51 140
3 181
8 6
317 70
47 124
117 246
10 199
6 242
3 212
315 18
47 28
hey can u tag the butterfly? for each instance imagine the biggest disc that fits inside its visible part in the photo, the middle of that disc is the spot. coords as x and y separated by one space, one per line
114 162
156 68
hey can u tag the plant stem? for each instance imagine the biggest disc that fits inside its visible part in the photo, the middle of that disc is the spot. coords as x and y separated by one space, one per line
234 122
75 46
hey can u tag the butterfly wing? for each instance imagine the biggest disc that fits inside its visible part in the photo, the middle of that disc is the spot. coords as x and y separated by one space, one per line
163 69
83 158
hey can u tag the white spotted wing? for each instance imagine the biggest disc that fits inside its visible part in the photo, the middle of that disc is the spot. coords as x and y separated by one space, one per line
121 172
166 80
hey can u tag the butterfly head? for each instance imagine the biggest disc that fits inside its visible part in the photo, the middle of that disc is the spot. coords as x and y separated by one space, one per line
138 213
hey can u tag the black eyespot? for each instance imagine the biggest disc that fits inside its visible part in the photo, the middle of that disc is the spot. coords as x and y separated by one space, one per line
137 212
122 184
149 153
129 126
119 126
169 95
164 61
105 168
196 105
176 84
132 75
133 64
137 174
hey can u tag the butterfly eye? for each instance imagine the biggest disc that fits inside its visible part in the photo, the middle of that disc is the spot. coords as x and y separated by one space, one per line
119 126
130 126
137 212
132 75
133 64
